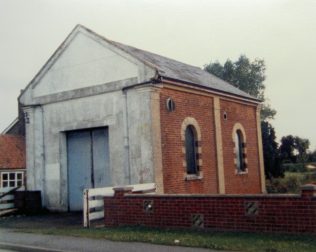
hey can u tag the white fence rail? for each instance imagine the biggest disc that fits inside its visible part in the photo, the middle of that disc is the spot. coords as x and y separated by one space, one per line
93 203
7 199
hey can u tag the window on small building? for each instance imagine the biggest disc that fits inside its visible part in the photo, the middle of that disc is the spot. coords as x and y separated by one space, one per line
11 179
191 150
239 147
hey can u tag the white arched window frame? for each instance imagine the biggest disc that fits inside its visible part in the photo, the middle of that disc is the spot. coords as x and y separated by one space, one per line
240 149
191 149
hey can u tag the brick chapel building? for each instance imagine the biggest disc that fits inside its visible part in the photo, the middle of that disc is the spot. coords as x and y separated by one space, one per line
101 113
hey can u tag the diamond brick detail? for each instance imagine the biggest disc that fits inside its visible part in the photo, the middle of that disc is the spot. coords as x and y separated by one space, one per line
197 220
148 206
251 208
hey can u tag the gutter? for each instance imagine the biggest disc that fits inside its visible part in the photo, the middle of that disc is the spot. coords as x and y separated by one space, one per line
213 89
154 80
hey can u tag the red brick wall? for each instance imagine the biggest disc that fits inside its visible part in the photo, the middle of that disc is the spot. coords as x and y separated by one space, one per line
277 213
246 116
201 109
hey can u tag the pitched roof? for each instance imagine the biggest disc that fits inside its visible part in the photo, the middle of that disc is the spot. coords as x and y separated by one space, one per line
12 152
177 70
10 126
165 67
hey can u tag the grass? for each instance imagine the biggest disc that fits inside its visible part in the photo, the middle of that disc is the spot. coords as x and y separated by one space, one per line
192 238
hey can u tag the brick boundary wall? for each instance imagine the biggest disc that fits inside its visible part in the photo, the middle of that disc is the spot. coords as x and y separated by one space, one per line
253 213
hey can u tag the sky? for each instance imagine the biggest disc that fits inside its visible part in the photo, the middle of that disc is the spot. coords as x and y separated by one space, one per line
282 32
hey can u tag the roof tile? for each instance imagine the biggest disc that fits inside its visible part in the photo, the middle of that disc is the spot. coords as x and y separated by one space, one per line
12 152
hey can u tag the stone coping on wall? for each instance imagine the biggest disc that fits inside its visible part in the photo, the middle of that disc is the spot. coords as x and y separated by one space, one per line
215 195
306 190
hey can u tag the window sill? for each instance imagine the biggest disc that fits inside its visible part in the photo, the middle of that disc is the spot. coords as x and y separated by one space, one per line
189 177
241 172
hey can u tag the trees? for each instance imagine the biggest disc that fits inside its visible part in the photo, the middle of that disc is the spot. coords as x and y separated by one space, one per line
287 148
294 149
246 75
301 145
271 155
312 156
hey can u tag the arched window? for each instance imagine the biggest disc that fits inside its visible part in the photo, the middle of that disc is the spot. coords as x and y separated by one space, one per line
191 150
240 150
239 147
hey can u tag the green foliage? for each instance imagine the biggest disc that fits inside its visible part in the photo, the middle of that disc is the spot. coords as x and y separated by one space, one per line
291 183
267 112
288 184
276 186
290 144
312 156
243 74
289 167
246 75
272 161
301 145
287 148
310 178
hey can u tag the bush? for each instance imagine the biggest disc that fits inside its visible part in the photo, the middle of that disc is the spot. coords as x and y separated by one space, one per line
275 186
309 178
290 167
289 184
293 184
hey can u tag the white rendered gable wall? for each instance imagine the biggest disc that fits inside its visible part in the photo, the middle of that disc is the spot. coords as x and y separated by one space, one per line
85 62
83 65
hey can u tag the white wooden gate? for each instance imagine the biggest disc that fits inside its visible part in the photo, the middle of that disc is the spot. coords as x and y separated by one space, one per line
7 199
93 202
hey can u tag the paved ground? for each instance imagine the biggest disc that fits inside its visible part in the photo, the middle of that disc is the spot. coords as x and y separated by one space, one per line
13 240
47 220
34 242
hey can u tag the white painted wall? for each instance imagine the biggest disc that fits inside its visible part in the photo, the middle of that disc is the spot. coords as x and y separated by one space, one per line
139 131
65 97
46 141
85 63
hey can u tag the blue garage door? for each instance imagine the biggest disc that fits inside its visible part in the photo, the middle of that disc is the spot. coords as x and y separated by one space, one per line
88 163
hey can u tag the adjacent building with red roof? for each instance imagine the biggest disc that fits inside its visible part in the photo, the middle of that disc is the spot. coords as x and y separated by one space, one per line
12 161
